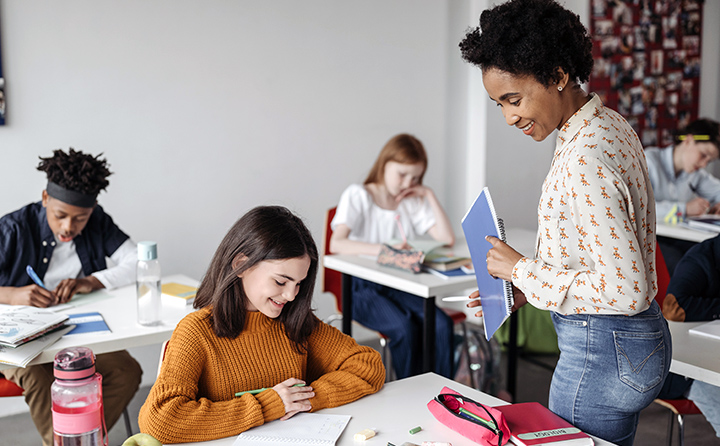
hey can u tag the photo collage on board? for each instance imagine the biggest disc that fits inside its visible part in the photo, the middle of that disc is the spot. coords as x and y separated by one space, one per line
647 63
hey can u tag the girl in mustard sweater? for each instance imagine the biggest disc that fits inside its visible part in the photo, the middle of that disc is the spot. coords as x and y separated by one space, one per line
255 329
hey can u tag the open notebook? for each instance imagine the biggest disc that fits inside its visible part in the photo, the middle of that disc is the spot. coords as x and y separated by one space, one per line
307 429
496 295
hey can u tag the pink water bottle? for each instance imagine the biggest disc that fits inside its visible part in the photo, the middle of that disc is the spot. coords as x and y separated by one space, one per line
77 410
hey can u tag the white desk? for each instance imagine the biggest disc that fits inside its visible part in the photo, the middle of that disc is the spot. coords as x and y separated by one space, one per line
682 232
424 285
398 407
694 356
120 313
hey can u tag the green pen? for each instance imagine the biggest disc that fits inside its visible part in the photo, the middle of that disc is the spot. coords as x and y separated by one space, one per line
256 391
487 423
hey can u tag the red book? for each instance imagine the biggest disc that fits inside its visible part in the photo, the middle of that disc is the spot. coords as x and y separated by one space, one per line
533 424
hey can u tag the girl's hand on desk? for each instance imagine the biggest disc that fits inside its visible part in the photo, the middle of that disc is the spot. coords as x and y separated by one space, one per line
296 399
715 209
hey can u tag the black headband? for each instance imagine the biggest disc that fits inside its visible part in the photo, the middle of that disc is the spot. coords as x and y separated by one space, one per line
70 196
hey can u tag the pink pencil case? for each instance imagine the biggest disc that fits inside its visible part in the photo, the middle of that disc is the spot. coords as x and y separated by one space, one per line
451 409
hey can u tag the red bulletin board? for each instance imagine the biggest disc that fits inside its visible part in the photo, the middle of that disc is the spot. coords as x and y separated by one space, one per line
647 63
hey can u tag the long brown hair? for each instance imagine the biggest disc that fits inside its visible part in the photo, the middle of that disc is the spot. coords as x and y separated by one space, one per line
402 148
264 233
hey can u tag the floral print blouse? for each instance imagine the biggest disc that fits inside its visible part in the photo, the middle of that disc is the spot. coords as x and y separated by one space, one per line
596 221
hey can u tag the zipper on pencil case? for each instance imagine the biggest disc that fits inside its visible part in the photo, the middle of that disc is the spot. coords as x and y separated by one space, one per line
470 419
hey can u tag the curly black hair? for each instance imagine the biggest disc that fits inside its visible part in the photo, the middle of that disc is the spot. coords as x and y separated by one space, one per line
531 37
77 171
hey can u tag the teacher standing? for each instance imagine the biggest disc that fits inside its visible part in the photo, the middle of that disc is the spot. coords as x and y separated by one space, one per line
594 267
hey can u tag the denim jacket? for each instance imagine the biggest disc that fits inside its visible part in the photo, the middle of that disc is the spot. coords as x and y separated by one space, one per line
26 239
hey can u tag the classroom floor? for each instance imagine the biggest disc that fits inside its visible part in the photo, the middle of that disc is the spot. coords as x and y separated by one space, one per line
533 384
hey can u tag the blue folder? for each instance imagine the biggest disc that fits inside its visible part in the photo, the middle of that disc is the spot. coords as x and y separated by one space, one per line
496 295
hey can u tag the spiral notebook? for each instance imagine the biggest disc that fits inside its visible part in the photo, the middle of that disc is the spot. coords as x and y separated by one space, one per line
496 294
306 429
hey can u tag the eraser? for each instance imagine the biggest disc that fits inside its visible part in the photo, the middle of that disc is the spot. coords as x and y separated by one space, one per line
364 435
415 430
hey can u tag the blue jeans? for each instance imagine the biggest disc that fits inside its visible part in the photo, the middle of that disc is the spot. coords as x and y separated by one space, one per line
610 368
399 316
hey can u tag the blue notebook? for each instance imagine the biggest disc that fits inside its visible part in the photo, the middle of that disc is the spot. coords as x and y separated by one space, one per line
88 323
496 294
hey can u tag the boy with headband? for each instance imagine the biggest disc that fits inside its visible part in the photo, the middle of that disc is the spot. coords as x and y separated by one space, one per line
66 238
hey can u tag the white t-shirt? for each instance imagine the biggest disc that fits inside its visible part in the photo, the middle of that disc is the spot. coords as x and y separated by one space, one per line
370 223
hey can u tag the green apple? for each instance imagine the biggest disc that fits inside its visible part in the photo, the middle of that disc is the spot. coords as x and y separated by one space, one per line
141 440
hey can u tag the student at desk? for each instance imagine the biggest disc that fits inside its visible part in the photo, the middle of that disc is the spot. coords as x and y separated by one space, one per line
682 186
66 238
255 331
593 267
694 295
394 200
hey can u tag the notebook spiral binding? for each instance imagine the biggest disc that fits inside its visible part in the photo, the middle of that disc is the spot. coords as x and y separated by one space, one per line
507 284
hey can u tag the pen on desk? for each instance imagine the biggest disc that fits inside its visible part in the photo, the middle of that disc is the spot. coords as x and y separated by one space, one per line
478 418
256 391
456 299
33 275
402 231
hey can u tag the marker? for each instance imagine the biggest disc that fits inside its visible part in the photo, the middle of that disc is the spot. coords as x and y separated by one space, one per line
256 391
457 299
478 418
415 430
33 275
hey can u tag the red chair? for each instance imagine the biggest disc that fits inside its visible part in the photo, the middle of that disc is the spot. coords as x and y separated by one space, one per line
332 283
681 406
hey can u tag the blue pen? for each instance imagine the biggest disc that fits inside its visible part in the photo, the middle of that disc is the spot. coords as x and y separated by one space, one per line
33 275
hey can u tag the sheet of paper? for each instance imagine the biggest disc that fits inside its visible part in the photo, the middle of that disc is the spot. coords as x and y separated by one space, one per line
79 300
301 429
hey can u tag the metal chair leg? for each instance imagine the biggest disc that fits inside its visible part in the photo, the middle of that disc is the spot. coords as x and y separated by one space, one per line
671 422
128 428
384 349
681 430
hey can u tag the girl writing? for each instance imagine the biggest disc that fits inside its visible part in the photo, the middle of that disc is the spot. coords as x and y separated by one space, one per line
366 217
254 329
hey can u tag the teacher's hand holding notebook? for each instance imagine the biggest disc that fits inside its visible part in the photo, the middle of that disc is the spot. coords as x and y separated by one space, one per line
501 260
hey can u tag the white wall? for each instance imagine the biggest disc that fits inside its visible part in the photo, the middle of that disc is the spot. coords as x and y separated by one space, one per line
208 108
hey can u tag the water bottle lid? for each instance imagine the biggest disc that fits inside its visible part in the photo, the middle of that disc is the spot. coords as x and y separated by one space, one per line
74 363
147 250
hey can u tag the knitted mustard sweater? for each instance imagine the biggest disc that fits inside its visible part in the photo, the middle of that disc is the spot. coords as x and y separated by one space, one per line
193 398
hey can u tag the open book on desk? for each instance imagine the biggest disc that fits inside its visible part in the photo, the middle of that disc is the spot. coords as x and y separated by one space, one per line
496 295
705 222
21 356
306 429
20 324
